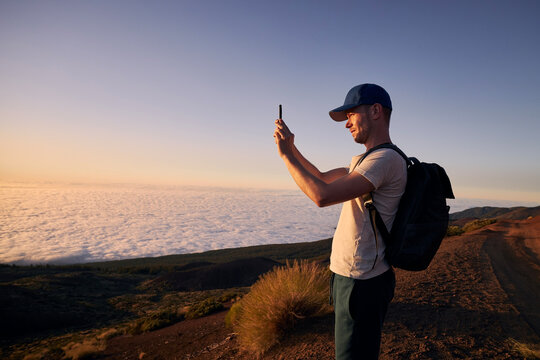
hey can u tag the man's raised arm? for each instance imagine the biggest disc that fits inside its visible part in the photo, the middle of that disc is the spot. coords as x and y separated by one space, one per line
327 176
341 185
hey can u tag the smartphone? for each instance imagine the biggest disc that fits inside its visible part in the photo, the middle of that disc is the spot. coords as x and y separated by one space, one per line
279 111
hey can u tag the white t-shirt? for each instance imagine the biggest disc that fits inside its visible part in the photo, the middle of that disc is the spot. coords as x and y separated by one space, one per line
355 253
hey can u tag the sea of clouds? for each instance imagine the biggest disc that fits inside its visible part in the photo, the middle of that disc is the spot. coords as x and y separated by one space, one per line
67 224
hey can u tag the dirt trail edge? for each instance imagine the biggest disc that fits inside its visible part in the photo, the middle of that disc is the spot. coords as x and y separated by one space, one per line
513 251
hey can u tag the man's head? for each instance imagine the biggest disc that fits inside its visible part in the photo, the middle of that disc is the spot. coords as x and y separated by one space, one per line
364 94
365 122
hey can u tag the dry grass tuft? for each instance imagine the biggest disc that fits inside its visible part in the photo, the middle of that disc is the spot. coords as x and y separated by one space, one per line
277 301
528 351
84 350
109 334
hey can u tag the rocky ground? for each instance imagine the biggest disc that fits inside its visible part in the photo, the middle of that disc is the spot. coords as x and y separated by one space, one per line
477 300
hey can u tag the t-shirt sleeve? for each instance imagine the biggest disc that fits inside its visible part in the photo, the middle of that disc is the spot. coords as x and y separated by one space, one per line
378 165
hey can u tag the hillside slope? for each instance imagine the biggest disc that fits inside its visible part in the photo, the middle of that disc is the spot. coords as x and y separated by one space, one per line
236 273
462 306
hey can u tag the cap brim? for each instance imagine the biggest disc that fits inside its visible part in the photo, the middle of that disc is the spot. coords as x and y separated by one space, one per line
339 114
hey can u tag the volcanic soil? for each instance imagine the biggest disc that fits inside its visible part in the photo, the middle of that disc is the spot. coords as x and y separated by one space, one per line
477 300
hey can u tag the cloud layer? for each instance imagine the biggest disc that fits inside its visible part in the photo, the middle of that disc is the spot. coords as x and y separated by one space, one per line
58 225
81 223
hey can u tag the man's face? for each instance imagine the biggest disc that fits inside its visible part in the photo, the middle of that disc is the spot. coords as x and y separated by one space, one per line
359 123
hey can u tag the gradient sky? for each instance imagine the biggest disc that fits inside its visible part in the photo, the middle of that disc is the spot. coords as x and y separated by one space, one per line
186 92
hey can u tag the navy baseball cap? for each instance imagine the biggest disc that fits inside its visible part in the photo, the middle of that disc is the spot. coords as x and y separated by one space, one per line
364 94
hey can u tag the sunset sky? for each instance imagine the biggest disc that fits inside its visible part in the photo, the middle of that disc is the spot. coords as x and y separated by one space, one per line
186 92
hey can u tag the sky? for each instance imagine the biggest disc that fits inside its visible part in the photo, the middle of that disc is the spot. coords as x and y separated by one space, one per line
186 92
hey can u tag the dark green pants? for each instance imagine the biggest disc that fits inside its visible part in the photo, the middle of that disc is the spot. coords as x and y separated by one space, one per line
360 307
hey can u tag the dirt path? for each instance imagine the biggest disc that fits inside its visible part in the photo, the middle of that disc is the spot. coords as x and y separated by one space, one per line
477 300
457 308
514 254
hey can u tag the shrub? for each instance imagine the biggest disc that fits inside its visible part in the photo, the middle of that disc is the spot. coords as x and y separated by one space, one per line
85 350
229 296
477 224
277 301
528 351
454 230
109 334
155 321
232 316
204 308
52 353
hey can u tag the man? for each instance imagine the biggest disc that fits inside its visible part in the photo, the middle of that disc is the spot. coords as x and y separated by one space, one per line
363 282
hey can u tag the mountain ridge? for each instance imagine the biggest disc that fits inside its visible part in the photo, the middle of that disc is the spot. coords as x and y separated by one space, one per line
491 212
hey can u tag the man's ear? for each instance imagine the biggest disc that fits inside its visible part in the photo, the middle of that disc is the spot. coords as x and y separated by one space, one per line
376 110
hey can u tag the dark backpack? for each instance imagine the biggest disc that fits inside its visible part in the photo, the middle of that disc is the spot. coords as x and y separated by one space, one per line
422 217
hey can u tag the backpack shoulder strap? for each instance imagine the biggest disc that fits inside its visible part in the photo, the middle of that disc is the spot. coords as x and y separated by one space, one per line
381 146
408 161
377 223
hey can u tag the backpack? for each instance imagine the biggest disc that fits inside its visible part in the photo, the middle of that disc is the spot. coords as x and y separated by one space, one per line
421 220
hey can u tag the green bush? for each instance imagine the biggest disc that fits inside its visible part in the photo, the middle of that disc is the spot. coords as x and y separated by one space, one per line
204 308
477 224
454 230
277 301
155 321
229 295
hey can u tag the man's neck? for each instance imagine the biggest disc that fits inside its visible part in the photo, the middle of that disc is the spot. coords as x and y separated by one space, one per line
376 142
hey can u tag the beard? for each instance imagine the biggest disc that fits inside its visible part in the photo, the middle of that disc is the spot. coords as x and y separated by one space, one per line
361 135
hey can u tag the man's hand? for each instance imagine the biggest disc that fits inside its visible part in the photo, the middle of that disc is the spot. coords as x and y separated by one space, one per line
284 139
